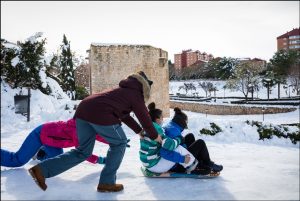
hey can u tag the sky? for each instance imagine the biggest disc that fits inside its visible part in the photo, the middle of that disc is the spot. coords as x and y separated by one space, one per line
231 29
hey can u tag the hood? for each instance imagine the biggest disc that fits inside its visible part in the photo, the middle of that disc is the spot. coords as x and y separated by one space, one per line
136 81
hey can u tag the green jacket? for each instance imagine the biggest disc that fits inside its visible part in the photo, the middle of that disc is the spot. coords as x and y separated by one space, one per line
149 150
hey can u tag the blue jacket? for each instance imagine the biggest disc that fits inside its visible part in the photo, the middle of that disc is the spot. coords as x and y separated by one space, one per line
172 130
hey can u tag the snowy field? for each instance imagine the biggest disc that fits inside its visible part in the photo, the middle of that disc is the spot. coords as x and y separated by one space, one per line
253 169
262 93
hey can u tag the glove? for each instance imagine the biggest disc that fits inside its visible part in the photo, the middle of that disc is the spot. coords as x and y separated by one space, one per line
101 160
127 145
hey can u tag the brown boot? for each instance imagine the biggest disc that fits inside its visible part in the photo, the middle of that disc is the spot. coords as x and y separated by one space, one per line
38 177
109 187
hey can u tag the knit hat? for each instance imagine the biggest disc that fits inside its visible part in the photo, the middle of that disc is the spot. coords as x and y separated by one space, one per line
180 118
141 73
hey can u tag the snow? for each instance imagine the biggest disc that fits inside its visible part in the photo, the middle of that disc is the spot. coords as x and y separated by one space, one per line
15 61
43 77
117 44
10 45
34 38
48 58
253 169
65 47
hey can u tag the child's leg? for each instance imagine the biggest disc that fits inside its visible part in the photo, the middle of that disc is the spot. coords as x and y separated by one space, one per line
49 152
189 139
163 165
29 147
200 151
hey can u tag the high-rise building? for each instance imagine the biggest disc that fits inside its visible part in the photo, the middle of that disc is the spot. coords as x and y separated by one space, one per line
289 40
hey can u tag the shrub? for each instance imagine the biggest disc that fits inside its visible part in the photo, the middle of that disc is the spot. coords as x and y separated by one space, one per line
268 131
81 93
214 129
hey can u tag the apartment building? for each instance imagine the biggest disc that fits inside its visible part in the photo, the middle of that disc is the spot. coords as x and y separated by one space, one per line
289 40
188 57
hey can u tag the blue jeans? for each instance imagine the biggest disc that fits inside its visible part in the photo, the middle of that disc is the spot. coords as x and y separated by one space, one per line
27 150
86 133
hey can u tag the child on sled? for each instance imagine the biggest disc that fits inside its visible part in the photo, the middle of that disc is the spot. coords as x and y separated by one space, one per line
160 158
198 148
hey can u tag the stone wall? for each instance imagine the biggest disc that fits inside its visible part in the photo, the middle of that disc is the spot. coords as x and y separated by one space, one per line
111 63
227 109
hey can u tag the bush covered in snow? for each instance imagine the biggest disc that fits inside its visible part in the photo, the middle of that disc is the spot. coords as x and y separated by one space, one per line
213 130
268 131
265 131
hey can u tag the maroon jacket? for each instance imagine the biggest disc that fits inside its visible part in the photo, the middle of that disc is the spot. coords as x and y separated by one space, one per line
113 106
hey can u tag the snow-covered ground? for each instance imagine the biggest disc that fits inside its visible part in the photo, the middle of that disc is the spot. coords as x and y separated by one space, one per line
262 93
253 169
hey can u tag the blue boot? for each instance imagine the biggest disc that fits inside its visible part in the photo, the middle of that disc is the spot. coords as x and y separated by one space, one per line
215 167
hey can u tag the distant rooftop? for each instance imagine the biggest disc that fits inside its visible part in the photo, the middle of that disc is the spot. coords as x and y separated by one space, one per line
118 44
294 32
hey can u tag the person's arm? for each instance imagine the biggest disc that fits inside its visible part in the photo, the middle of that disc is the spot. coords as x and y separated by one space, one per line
171 155
171 144
131 123
96 159
93 159
142 115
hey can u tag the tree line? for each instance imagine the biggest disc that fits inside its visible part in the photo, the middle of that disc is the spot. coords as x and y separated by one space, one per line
25 65
245 76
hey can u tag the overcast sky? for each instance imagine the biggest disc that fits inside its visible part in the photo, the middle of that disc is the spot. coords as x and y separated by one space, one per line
235 29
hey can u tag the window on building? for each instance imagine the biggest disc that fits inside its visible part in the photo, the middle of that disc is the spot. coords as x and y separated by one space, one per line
295 46
293 37
294 41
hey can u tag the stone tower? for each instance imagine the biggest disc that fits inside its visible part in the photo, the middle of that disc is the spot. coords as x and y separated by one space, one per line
110 63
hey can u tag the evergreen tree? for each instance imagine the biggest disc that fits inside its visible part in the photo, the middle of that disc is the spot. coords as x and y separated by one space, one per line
269 80
283 62
223 68
53 69
67 74
9 60
31 62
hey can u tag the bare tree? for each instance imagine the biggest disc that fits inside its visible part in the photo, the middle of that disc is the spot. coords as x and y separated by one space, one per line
187 87
294 78
206 86
245 78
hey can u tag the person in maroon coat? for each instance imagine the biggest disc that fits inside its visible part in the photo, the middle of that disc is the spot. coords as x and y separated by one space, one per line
103 113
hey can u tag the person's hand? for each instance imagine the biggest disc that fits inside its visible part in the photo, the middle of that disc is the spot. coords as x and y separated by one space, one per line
187 159
101 160
141 134
158 139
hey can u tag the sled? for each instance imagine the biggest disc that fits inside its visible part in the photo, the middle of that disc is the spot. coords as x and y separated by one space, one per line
148 173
